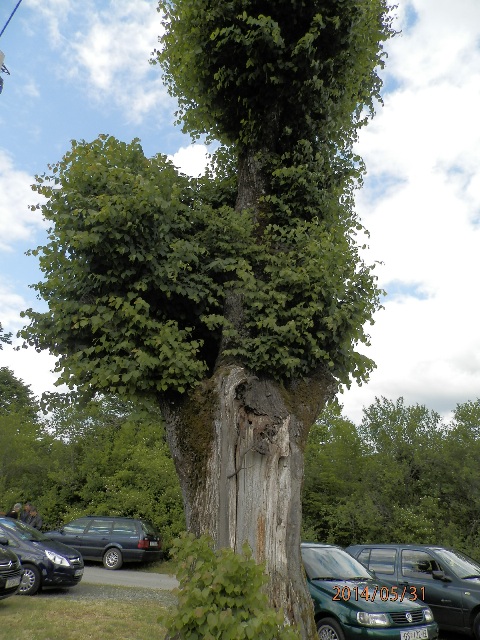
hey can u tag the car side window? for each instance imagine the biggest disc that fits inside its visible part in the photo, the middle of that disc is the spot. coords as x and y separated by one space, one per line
124 528
418 564
382 561
76 527
364 557
100 527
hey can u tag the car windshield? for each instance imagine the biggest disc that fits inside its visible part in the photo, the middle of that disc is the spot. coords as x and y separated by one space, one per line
325 563
23 531
461 565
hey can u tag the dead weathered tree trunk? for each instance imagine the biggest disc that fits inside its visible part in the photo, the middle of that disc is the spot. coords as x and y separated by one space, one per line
238 444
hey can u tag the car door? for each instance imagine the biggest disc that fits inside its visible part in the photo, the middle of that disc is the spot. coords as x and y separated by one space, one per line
96 538
382 561
443 597
72 533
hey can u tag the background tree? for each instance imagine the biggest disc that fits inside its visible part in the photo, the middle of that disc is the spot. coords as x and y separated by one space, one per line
238 305
6 338
458 482
336 508
23 444
15 395
403 442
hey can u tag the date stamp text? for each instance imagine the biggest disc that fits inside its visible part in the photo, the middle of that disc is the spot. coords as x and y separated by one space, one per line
393 593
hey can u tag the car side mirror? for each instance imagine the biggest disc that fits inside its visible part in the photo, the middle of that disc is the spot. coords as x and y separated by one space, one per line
4 540
440 575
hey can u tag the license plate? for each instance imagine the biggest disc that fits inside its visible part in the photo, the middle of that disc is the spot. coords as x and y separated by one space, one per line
78 572
414 634
153 543
12 582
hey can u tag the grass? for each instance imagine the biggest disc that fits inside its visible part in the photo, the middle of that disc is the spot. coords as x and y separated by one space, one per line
34 618
165 567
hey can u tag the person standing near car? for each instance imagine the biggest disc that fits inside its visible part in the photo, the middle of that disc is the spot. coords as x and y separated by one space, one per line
14 511
25 513
35 519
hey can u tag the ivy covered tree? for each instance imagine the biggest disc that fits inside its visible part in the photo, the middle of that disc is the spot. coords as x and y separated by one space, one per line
237 300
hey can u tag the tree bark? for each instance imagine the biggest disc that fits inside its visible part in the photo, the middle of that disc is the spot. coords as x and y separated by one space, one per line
238 445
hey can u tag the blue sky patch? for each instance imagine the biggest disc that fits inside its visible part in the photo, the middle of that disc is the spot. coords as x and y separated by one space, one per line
398 289
378 185
411 17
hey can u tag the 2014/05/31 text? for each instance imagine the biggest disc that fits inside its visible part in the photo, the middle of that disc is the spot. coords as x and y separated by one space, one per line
392 593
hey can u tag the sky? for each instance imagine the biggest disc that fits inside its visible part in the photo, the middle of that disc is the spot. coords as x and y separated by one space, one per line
78 69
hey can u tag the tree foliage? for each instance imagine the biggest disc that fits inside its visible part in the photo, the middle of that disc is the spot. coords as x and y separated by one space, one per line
5 338
15 395
229 62
142 262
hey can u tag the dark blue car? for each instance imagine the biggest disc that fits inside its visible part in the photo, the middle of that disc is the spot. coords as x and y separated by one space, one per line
10 573
112 540
45 563
444 578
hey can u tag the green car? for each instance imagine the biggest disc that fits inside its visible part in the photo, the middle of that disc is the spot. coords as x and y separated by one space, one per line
351 603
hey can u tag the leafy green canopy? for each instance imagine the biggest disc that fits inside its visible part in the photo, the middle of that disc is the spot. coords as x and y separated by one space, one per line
245 69
290 79
134 269
143 264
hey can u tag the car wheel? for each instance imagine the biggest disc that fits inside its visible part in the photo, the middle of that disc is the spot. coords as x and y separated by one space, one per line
31 580
112 558
476 627
329 629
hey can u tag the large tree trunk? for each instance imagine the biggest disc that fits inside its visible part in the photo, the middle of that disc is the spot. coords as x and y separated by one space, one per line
238 445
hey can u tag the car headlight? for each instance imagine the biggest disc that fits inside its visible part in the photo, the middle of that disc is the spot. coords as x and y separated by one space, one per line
428 615
56 559
373 619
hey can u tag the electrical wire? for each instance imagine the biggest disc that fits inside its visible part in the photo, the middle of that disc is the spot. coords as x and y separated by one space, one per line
11 16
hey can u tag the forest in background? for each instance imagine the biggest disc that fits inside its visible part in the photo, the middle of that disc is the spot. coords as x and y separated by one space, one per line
403 474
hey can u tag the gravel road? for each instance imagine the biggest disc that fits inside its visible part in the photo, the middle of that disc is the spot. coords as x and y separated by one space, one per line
101 584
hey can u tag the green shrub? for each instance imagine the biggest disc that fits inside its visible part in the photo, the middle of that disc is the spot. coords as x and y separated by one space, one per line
221 596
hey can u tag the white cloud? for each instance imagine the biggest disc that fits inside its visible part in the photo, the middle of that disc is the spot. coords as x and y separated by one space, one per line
426 143
191 160
35 369
55 13
11 304
17 221
107 47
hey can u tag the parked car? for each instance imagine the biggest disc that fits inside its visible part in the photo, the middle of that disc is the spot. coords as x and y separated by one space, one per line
45 563
112 540
351 603
11 573
446 579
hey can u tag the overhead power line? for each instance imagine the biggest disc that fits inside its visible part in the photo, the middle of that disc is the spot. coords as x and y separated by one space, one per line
11 16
